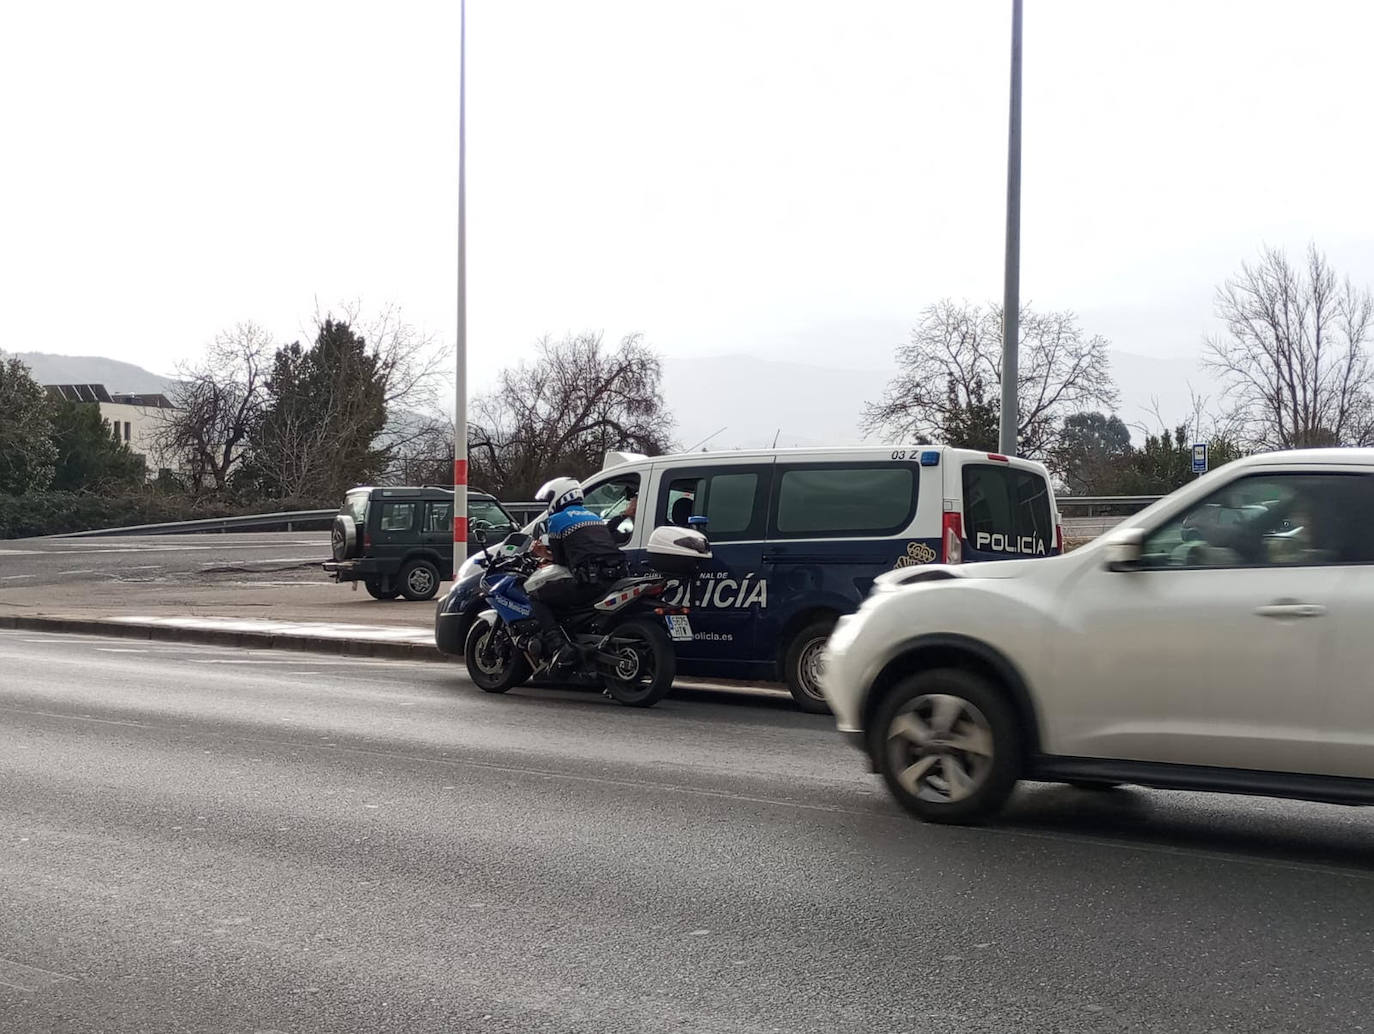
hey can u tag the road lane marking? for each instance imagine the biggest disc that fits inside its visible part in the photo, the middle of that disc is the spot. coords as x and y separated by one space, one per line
29 978
118 649
882 813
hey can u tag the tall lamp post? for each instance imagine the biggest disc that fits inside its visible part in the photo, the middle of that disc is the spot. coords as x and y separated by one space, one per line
460 407
1011 287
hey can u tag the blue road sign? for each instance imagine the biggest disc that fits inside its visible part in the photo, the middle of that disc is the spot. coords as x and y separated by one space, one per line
1200 458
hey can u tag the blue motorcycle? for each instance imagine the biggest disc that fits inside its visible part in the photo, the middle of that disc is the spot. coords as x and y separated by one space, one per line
624 639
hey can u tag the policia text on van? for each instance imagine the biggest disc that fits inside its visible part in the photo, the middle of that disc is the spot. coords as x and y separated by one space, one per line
798 535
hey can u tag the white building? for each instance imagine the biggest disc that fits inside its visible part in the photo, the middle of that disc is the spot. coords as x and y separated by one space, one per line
132 419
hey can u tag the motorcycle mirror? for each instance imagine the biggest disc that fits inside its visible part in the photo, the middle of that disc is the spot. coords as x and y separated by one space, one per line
479 535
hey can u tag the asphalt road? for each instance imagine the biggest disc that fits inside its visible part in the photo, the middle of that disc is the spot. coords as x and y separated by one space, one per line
25 563
194 839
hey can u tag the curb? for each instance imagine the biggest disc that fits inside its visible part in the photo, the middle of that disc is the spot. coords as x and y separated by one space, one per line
225 637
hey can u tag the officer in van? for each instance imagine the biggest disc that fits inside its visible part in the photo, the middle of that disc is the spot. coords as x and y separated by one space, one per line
580 541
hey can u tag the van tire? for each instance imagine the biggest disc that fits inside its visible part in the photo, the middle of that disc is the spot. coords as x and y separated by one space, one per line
801 665
419 581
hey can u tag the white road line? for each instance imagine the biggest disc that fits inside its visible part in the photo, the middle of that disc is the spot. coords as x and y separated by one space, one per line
29 978
118 649
15 577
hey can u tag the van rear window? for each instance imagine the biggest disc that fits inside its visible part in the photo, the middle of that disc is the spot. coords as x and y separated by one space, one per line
1007 510
838 501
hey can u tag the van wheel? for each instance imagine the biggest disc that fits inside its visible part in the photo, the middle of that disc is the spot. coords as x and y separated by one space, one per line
801 665
381 588
419 580
947 745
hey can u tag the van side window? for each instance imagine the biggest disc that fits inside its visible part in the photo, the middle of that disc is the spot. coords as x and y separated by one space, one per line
617 503
835 501
730 503
1007 510
728 498
683 494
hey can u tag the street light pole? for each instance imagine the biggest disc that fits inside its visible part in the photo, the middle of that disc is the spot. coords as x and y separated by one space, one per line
1011 288
460 407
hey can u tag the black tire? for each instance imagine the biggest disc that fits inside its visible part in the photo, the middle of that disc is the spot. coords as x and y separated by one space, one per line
380 589
646 674
507 670
419 581
912 725
801 665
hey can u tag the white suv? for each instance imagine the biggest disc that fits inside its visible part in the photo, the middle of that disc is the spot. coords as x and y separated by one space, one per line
1222 639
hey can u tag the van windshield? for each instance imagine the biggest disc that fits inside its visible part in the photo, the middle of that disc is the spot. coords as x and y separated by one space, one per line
1007 510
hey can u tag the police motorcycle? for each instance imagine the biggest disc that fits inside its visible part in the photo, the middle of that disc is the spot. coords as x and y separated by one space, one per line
624 639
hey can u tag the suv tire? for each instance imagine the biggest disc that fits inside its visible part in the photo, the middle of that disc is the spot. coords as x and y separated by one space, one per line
419 580
381 588
948 745
801 665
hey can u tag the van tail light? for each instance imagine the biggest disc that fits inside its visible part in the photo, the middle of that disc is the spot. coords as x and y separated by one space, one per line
1059 538
951 539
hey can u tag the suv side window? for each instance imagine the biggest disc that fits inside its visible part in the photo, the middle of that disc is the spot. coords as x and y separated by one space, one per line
835 500
1270 520
397 517
355 505
1006 509
438 518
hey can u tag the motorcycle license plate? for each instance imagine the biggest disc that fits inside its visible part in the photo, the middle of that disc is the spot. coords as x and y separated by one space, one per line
679 628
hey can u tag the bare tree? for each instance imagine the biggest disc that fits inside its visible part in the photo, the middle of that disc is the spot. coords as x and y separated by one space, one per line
1294 357
949 371
561 413
217 401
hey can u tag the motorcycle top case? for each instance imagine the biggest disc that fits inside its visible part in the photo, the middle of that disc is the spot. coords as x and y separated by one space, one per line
673 550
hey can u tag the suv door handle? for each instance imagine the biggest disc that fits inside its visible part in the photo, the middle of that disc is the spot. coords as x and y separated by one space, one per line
1290 609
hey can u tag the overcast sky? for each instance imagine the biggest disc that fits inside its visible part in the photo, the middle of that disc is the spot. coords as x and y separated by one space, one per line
790 180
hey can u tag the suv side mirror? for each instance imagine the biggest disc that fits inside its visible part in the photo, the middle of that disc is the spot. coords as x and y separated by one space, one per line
1124 550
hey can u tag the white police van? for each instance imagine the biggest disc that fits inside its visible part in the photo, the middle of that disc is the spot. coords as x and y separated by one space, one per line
798 535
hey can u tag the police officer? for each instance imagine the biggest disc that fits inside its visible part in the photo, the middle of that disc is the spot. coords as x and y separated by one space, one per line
580 541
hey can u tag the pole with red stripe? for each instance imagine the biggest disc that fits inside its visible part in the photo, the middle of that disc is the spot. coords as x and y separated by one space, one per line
460 414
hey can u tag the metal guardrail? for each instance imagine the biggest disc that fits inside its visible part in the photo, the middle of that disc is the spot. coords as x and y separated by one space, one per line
523 512
289 521
1090 503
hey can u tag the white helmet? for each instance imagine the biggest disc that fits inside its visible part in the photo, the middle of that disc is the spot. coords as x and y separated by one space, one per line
559 494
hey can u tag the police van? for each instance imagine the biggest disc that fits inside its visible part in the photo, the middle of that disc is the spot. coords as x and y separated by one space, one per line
798 535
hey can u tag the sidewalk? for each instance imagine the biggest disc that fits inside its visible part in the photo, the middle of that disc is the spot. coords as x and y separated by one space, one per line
318 617
411 643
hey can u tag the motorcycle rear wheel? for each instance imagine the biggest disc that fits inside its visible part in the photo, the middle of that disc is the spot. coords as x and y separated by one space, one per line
646 667
494 663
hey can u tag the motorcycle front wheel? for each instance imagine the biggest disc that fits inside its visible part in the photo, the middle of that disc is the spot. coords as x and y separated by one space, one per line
644 667
494 663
